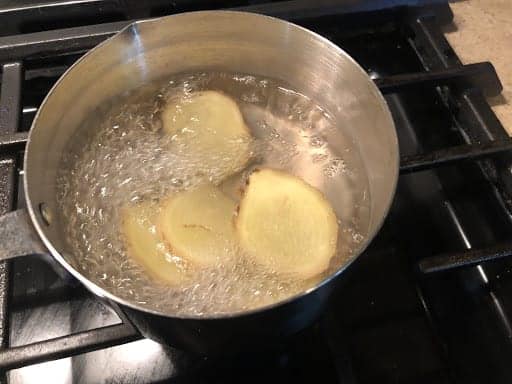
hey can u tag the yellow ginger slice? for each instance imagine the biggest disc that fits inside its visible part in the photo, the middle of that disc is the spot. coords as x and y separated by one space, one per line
210 123
286 224
198 225
146 247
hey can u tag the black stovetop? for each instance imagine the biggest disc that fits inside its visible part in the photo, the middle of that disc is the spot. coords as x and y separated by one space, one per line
430 300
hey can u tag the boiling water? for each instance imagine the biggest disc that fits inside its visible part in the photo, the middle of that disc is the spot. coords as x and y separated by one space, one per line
121 157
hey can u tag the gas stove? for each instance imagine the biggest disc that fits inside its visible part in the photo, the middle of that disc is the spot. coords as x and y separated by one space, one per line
429 301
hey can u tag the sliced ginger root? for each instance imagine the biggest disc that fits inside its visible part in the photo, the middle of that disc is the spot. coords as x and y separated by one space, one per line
286 224
211 123
198 225
146 247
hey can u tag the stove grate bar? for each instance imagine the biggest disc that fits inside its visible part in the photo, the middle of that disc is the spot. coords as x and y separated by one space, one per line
421 162
79 39
467 258
66 346
478 75
10 101
13 141
58 41
12 74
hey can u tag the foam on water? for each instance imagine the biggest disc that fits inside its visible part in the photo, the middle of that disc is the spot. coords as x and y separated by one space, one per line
122 157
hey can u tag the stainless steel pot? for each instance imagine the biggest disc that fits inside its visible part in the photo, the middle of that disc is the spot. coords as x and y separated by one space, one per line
227 41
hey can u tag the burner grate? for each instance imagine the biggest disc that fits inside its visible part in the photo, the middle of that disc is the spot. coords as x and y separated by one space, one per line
53 349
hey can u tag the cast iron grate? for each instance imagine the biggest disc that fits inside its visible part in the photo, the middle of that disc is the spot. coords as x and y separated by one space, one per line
463 86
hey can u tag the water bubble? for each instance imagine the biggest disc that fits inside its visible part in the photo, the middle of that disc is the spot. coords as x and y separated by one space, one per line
357 237
316 141
252 97
334 167
274 135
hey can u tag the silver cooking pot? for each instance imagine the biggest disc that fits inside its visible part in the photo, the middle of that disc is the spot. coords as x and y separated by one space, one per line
199 41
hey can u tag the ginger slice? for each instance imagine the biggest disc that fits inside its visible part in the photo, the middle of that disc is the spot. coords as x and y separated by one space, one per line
146 247
286 224
198 225
210 123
